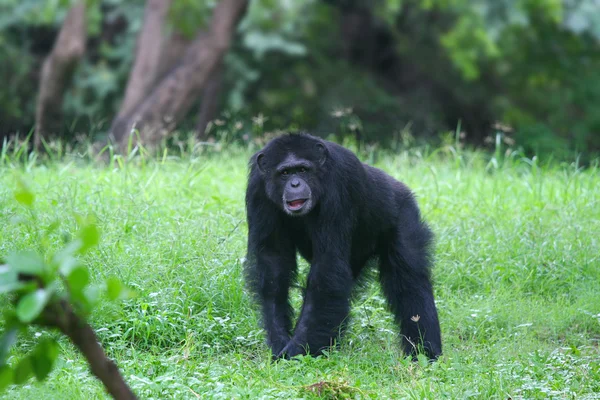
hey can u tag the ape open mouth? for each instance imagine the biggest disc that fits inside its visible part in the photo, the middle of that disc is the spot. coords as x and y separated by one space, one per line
295 204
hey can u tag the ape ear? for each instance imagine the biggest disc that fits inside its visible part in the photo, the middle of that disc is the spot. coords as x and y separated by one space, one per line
260 162
322 151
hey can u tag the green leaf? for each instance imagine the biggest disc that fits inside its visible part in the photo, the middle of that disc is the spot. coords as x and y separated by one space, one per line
41 366
43 358
26 262
6 342
65 259
66 264
8 279
6 377
92 293
114 287
50 348
23 371
78 279
10 287
10 317
23 195
4 269
32 304
89 236
73 247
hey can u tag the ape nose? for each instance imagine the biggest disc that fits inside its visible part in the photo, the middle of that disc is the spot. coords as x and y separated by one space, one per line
295 183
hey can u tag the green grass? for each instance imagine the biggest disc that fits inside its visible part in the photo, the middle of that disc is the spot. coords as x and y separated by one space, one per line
517 277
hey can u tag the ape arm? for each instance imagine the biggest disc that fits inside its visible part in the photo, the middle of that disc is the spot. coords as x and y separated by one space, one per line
327 300
273 272
270 267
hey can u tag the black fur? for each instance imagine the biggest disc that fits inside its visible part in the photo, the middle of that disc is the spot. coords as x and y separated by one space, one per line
351 213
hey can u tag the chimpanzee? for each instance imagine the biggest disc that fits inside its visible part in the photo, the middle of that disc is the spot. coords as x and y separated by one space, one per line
309 195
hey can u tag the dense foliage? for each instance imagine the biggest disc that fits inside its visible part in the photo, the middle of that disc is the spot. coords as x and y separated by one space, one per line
414 67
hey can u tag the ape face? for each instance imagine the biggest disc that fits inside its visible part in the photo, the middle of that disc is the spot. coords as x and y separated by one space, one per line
292 179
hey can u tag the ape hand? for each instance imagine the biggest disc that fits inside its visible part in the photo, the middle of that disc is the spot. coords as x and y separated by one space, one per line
290 350
278 347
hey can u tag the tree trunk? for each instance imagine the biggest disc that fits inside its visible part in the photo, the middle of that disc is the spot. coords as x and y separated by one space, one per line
147 56
57 71
173 49
174 95
210 101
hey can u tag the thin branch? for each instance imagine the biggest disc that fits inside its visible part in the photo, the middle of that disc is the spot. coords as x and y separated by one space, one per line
62 316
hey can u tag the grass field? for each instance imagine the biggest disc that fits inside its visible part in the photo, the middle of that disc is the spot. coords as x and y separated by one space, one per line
517 277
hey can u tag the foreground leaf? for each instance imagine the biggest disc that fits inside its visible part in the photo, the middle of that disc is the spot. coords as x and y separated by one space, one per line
114 287
27 262
41 366
66 262
7 274
6 342
23 194
32 304
11 287
78 279
23 371
89 236
43 358
6 377
9 281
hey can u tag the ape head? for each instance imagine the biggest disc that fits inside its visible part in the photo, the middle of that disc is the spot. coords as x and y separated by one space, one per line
291 168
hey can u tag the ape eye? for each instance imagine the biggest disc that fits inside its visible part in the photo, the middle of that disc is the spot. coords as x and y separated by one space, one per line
284 172
302 169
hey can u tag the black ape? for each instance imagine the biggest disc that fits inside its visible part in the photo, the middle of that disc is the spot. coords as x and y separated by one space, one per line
312 196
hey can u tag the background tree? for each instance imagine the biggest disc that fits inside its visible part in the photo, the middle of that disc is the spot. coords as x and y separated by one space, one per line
57 71
149 50
378 70
174 95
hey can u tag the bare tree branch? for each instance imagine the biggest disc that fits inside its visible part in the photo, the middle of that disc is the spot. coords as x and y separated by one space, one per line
60 315
173 50
174 95
147 57
210 101
57 70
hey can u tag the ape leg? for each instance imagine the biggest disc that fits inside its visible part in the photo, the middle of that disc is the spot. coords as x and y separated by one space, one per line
326 306
404 275
271 276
